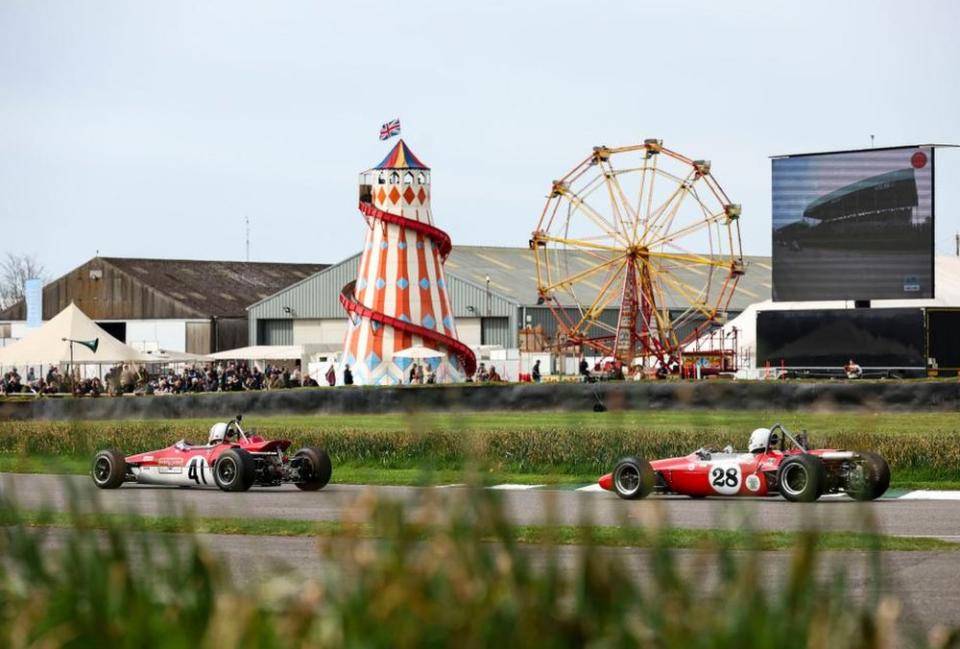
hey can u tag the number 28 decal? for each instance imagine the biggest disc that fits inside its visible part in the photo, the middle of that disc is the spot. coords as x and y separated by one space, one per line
725 478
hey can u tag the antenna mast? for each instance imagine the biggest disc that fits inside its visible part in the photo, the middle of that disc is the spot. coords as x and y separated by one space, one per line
247 220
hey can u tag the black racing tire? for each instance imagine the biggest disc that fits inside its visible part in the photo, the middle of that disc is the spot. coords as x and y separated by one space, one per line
875 478
234 470
109 469
802 478
633 478
320 469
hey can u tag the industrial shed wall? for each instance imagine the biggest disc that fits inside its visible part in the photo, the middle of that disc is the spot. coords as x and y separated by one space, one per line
318 298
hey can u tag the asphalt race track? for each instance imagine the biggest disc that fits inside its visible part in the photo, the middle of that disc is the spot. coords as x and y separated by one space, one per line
939 518
924 582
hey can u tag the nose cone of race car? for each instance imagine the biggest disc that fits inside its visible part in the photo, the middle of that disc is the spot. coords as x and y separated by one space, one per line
606 482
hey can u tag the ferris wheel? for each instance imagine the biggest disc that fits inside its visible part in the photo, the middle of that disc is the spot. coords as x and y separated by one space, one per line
637 252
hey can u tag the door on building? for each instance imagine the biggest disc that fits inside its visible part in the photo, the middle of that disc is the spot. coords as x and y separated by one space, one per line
116 329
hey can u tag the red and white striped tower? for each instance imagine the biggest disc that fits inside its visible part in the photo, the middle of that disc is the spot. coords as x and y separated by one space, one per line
400 297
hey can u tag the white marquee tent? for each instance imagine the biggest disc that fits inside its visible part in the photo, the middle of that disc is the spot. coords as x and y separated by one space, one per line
261 353
45 346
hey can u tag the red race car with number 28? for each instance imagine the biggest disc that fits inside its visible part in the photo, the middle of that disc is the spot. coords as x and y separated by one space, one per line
231 459
770 466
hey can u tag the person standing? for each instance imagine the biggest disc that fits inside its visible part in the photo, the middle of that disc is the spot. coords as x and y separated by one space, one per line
331 376
535 374
347 375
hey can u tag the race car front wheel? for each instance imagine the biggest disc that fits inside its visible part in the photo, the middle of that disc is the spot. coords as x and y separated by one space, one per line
315 469
633 478
109 469
802 478
234 470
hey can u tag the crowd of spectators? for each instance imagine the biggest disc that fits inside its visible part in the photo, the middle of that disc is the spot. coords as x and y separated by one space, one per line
49 383
133 379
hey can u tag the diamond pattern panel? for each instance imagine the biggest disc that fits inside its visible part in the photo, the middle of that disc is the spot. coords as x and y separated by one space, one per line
394 196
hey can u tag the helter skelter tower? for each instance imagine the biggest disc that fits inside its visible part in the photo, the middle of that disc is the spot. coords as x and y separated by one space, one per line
399 299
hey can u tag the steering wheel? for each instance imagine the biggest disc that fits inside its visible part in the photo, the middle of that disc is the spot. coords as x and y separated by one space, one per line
233 431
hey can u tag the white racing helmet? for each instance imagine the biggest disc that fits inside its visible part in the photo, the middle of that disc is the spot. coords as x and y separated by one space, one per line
759 439
219 431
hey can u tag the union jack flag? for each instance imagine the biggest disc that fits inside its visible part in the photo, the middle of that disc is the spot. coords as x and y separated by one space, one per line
390 129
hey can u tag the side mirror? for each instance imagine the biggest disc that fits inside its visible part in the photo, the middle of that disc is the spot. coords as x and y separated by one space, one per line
239 418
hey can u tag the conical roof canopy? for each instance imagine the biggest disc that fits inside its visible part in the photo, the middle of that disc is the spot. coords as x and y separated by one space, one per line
46 345
401 157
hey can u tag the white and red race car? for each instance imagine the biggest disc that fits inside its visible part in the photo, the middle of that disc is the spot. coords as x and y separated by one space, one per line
231 459
770 466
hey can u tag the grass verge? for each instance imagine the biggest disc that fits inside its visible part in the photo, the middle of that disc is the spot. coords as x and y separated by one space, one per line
529 534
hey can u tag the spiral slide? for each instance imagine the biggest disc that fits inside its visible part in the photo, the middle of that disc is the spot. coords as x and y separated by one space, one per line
354 307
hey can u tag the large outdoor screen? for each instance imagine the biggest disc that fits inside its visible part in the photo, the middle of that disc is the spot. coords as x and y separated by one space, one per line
828 338
853 226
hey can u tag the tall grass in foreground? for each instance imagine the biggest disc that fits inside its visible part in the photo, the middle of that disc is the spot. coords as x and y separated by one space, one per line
446 573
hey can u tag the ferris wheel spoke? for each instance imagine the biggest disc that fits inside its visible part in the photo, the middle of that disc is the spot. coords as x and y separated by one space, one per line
653 180
566 282
692 295
690 259
620 203
676 202
684 231
683 188
599 303
584 244
594 216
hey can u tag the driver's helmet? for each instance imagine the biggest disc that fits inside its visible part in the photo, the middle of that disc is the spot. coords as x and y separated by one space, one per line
217 433
759 439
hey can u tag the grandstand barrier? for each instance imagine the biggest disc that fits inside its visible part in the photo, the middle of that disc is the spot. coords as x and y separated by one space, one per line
881 395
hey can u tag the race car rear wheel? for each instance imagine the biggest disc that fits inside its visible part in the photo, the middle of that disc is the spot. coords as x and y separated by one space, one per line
109 469
234 470
871 478
633 478
315 470
802 478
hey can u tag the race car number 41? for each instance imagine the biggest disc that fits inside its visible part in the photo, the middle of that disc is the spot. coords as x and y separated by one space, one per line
725 478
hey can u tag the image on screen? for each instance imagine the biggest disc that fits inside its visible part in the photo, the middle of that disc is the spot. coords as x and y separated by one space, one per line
853 226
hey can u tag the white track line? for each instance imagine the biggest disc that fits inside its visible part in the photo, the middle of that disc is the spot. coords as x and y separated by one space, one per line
929 494
515 487
591 487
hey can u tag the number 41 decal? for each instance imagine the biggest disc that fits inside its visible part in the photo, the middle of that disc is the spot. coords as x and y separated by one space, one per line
197 470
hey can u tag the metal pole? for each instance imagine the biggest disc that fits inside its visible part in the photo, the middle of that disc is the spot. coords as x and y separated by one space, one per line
957 237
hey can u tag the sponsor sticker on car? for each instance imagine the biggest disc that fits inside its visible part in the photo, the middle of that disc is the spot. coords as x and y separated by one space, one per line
170 465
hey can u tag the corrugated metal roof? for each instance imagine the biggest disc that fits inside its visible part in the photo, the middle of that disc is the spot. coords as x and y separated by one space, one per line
513 281
220 288
513 273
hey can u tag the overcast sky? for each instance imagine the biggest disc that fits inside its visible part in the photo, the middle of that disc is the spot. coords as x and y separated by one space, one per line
153 129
